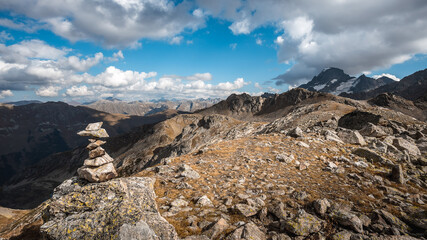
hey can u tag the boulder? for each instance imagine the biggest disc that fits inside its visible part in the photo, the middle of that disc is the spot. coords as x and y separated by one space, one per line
371 130
358 119
122 208
216 229
368 155
249 231
403 144
303 224
245 210
98 174
351 137
204 201
397 174
295 132
321 206
187 172
347 219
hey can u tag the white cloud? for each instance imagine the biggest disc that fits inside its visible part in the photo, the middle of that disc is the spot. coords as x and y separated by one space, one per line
258 41
241 27
5 36
118 54
391 76
50 91
200 76
176 40
113 77
357 36
258 86
110 22
81 91
29 26
279 40
84 64
5 93
32 63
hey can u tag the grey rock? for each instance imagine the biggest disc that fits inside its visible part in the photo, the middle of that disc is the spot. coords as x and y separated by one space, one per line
100 133
204 201
98 161
347 219
303 224
394 221
295 132
188 172
139 231
286 158
343 235
245 210
278 210
122 208
97 152
372 130
321 206
249 231
351 137
179 203
368 155
217 229
397 174
403 144
98 174
94 126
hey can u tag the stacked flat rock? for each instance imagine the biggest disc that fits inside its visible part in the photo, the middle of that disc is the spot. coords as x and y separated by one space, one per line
99 166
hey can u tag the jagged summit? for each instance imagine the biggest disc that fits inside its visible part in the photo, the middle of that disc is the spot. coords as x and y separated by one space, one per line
336 81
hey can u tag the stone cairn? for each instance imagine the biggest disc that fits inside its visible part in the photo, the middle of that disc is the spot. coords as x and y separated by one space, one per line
99 166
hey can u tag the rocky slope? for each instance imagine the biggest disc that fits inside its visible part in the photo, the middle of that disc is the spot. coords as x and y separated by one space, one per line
299 165
140 108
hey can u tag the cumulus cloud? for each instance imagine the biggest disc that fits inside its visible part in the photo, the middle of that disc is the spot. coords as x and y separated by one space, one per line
50 91
82 65
391 76
258 41
6 93
33 63
176 40
5 36
81 91
318 34
110 22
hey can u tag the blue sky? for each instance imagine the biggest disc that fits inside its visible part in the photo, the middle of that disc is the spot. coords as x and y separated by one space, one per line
142 49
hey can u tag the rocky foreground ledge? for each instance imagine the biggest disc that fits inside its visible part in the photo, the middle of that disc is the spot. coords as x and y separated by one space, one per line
122 208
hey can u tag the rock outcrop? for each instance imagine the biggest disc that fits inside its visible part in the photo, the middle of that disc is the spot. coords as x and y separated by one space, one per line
122 208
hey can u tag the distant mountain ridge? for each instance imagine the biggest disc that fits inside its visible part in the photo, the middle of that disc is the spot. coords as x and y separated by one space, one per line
336 81
412 87
140 108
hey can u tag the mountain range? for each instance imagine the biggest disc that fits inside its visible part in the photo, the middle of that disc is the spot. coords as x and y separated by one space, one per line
335 81
146 108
